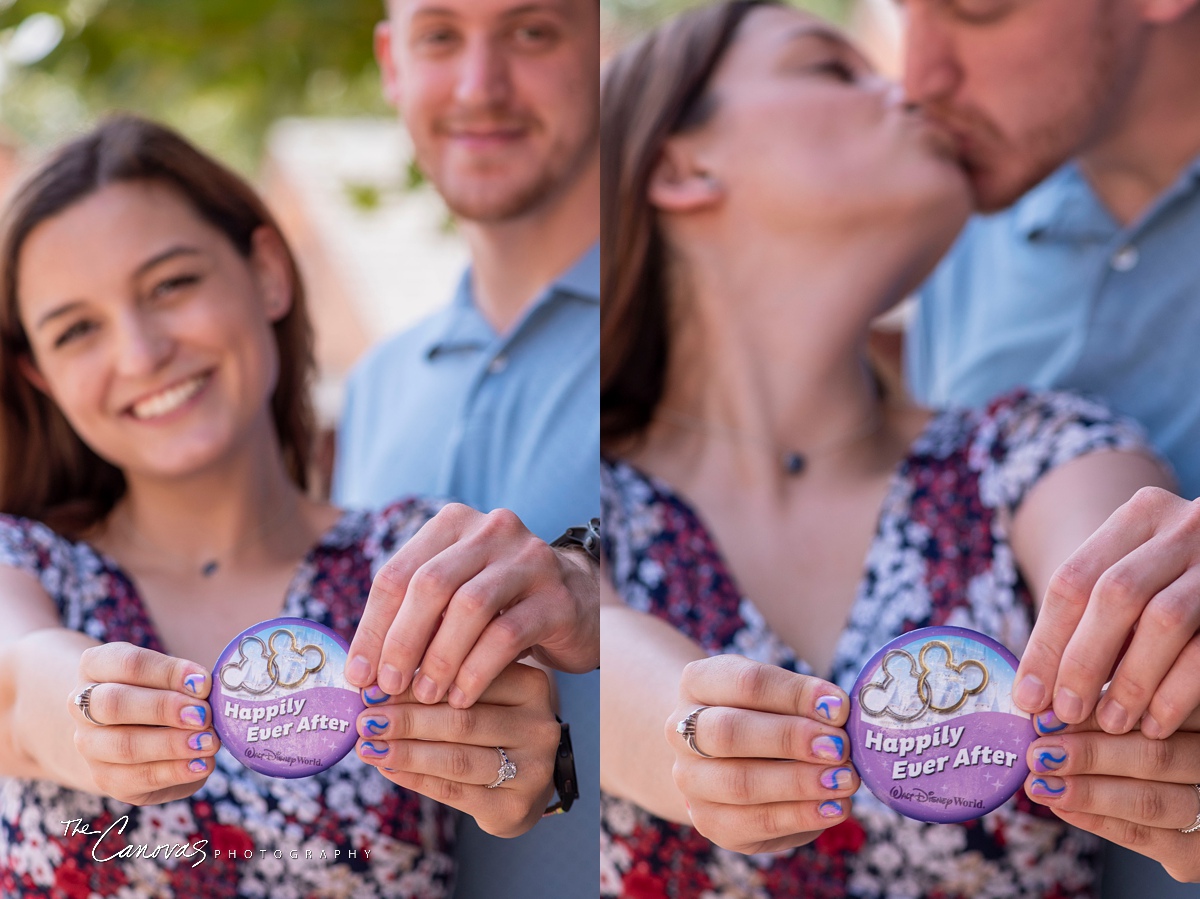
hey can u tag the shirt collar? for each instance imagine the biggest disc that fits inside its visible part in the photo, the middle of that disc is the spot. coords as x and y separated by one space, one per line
1064 206
466 329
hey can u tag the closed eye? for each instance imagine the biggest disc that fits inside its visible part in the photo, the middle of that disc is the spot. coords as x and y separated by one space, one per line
74 332
169 286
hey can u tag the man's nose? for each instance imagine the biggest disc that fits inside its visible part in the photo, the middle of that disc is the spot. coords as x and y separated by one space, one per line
483 76
931 69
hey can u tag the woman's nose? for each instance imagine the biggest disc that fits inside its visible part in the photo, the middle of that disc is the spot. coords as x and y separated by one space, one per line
143 345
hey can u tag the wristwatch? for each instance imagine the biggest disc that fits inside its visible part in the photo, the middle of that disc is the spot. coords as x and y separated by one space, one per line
587 537
565 783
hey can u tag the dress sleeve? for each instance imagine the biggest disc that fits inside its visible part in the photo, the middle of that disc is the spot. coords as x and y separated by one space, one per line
34 548
1025 435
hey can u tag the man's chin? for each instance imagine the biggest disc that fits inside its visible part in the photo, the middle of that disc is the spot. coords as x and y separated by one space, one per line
996 189
494 206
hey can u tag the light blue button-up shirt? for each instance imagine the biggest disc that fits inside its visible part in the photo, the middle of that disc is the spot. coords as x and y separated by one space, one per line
1054 293
452 409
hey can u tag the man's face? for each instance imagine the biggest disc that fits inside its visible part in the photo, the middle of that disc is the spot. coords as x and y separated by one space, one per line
1023 84
500 97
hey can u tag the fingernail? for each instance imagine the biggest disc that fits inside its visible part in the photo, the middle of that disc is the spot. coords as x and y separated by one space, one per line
1068 706
836 778
197 766
425 689
1047 787
194 715
195 683
1113 717
391 679
1030 693
372 727
829 707
1151 728
358 672
828 747
1047 723
456 697
830 808
372 750
1049 759
388 770
373 695
201 742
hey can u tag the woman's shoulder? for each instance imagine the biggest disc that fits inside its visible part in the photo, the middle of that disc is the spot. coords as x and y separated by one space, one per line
1021 435
31 544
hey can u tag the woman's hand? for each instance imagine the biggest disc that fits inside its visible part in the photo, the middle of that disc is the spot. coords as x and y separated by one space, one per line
450 755
154 742
1127 788
779 775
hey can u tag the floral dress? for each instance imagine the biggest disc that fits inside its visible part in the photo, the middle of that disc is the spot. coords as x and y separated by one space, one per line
346 832
940 556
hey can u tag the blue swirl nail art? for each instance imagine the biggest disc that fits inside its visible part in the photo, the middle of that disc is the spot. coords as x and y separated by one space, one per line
195 683
373 727
830 809
828 746
1046 760
829 707
195 715
835 778
372 695
1040 787
1047 722
373 751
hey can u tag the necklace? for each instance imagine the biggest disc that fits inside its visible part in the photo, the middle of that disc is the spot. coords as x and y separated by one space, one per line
792 461
212 565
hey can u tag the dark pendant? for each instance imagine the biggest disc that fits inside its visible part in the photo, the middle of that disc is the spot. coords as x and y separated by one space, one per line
793 463
209 568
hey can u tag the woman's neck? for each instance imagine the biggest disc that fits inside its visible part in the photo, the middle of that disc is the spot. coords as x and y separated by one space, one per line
768 371
246 507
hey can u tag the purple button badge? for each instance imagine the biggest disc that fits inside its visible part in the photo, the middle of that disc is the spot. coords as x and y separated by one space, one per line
933 729
280 700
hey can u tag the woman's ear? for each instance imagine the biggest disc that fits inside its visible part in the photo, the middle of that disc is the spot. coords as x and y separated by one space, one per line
678 184
269 258
31 374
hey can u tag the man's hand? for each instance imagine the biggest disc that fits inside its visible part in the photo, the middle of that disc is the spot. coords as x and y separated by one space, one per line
1129 595
469 594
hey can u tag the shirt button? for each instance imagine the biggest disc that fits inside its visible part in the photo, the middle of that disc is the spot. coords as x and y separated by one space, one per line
498 365
1125 259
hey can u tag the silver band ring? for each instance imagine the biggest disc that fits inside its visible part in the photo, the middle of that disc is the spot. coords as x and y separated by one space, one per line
508 770
687 729
83 702
1195 826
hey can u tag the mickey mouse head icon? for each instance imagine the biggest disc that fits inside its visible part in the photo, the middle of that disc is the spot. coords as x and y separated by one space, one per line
896 695
289 663
249 670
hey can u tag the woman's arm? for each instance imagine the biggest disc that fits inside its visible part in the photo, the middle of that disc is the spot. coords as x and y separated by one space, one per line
774 774
1064 508
39 667
154 744
641 664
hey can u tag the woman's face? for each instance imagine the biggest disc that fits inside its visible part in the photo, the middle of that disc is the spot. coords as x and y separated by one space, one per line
149 330
806 134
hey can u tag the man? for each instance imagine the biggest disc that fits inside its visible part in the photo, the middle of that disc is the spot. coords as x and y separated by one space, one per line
494 401
1078 122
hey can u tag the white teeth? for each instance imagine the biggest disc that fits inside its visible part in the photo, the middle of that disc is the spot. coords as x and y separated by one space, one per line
168 400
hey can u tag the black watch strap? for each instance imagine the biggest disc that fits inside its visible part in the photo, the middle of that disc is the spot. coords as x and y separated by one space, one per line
587 537
565 782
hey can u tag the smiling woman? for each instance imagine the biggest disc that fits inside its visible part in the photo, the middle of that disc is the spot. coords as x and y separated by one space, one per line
154 365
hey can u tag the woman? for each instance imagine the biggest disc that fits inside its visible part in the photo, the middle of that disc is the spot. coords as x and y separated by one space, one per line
153 387
767 196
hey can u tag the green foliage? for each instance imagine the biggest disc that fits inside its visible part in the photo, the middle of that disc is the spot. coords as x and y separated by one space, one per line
625 17
219 70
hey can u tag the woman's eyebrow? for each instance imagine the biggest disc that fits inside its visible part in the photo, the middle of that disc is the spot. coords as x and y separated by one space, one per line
156 259
825 35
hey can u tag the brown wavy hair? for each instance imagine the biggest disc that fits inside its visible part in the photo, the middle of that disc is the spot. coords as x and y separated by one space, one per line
651 90
46 471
